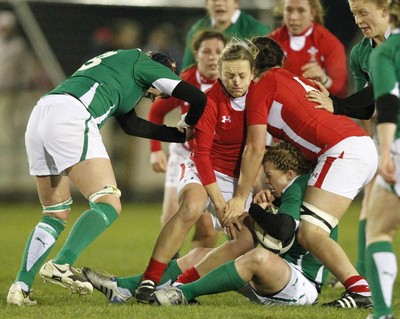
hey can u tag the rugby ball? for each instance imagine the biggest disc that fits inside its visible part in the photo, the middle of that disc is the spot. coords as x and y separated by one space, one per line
267 241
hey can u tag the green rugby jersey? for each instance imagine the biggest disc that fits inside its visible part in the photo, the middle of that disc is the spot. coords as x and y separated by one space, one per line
246 26
359 62
291 201
385 66
113 83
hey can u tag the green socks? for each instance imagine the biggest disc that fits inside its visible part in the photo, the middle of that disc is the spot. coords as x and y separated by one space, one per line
131 283
381 271
85 230
222 279
361 248
37 248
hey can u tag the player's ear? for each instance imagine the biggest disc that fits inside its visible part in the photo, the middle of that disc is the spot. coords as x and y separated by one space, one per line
291 174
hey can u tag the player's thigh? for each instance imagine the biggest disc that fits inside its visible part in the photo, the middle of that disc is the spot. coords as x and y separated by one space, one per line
269 272
53 189
92 175
329 202
383 214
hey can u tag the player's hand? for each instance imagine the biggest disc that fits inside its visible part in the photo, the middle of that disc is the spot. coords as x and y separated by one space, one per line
234 208
313 71
386 168
264 196
233 229
158 161
182 125
189 133
324 101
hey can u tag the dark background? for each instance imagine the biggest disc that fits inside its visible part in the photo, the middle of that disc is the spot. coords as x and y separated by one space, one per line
69 27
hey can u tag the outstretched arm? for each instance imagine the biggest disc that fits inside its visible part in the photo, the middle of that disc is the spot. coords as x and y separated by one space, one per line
133 125
195 97
249 168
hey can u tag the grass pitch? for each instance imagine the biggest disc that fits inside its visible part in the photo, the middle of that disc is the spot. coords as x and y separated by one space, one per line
124 249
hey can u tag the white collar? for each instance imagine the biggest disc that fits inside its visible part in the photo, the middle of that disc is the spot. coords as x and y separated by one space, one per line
234 18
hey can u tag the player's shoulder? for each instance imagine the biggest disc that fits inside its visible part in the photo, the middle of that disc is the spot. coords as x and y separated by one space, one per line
250 23
321 33
279 34
189 73
362 47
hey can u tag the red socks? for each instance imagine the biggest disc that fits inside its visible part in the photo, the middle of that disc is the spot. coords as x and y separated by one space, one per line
154 271
189 275
359 285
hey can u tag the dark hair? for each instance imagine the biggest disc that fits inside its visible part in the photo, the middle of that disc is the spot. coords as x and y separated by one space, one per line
286 157
163 59
394 11
206 35
270 54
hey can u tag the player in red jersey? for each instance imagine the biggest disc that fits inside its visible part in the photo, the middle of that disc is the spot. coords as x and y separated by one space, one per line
207 47
212 171
345 160
311 50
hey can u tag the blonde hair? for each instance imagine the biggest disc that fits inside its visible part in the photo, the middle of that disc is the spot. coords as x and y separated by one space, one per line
286 157
379 3
238 49
315 5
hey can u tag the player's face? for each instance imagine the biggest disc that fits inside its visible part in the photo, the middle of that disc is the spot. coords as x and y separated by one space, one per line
297 15
275 178
372 20
207 57
236 77
222 10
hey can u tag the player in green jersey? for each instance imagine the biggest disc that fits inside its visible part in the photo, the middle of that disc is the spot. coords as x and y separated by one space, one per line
294 278
223 16
64 145
371 16
384 210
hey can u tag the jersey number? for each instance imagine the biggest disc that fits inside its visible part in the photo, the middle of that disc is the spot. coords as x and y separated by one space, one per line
96 61
306 87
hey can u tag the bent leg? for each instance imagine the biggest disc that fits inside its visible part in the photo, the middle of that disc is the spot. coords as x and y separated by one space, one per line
90 177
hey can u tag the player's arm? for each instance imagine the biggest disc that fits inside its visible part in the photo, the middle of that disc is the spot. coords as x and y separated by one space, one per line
359 105
133 125
280 226
195 97
387 106
157 112
249 168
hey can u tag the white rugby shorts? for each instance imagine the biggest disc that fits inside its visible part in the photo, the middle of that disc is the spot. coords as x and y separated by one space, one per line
226 184
177 154
61 133
346 167
396 158
298 292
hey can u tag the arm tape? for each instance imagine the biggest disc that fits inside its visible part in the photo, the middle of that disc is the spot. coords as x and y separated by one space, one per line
359 105
387 108
280 226
133 125
195 97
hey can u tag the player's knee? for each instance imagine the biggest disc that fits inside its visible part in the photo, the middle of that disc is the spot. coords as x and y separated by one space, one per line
259 257
318 222
109 194
190 211
60 210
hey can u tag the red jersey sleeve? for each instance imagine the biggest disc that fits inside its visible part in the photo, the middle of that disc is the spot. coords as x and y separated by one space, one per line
258 96
335 62
203 142
157 112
